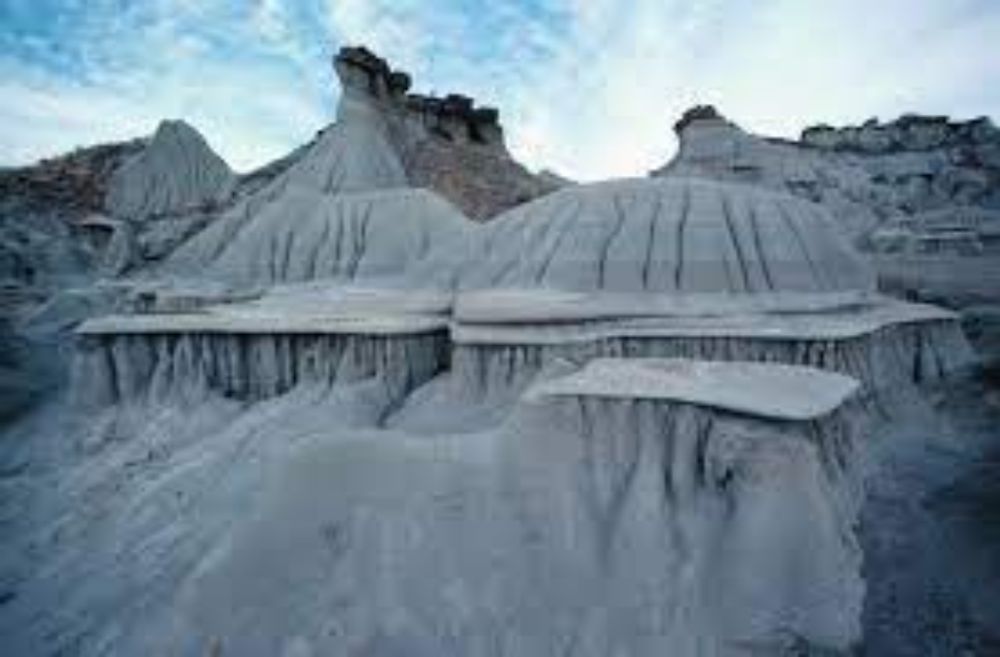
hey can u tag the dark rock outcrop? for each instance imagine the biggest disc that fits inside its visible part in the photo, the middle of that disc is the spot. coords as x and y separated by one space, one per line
448 144
45 236
867 174
910 132
697 113
75 183
454 117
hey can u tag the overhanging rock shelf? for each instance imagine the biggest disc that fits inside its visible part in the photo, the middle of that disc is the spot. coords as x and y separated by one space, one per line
882 342
263 348
750 472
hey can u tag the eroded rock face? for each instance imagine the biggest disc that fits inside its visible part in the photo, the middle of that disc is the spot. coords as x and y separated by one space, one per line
177 172
364 75
346 237
697 113
677 236
42 212
864 174
445 143
910 132
108 209
76 182
163 194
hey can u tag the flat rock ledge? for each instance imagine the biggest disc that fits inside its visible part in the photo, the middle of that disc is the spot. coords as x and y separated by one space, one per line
768 390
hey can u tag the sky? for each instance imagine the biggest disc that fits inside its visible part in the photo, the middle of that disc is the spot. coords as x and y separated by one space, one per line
587 88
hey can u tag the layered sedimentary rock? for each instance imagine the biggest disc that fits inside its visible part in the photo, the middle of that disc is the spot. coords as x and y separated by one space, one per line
684 267
162 366
76 183
681 237
120 208
624 418
447 144
920 194
111 208
911 132
864 175
490 360
341 215
262 348
43 242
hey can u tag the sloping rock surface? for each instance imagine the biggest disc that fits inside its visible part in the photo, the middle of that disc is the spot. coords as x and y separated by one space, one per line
676 235
176 172
304 235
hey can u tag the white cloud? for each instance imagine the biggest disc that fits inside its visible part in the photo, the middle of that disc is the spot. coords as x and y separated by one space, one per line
139 67
590 88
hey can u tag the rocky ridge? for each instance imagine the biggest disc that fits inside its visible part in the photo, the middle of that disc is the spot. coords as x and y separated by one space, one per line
76 183
866 174
910 132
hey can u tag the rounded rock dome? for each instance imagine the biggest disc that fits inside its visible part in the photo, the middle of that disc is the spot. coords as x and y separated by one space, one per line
306 235
668 235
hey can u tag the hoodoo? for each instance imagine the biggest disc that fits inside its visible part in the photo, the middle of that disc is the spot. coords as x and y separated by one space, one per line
447 144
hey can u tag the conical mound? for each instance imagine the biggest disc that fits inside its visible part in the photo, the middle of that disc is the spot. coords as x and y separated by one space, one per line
667 236
178 171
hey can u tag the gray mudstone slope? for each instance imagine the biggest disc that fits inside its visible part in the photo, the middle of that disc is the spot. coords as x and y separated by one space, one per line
681 237
303 235
585 525
178 171
434 457
342 208
628 418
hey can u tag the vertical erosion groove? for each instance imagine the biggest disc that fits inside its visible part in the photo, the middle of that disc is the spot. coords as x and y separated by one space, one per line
319 247
359 240
563 230
759 248
735 240
161 367
681 226
602 260
818 275
654 216
335 267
